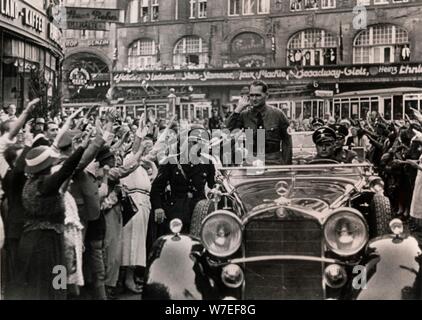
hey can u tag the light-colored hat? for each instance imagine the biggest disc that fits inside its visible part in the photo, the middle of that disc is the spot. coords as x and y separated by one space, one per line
39 159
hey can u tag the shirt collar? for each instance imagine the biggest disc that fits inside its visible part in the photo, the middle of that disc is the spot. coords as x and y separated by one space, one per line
263 110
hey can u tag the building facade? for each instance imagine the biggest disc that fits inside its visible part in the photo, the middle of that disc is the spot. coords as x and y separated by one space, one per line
345 57
88 52
30 52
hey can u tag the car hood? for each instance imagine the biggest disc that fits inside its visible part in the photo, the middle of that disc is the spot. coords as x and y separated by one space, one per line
306 192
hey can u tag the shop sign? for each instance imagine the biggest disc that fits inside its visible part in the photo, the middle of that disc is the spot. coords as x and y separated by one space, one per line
246 43
93 14
324 93
86 25
54 33
71 43
339 72
9 8
33 19
98 43
79 77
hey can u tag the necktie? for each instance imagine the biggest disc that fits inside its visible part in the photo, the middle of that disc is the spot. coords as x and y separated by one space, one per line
259 126
260 121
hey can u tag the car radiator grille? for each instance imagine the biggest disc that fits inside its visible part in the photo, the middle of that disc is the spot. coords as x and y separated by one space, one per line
280 280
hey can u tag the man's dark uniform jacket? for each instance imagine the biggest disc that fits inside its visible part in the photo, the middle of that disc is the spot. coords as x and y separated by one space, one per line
275 125
185 191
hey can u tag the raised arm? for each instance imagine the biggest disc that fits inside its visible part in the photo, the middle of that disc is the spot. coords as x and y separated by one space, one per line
19 123
64 128
93 148
235 120
55 181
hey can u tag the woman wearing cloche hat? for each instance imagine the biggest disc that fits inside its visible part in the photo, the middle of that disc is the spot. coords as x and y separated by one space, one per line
41 247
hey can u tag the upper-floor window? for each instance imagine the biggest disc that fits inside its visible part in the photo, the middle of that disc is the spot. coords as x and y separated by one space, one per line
198 9
143 11
312 47
299 5
248 7
142 54
234 7
190 51
363 2
382 43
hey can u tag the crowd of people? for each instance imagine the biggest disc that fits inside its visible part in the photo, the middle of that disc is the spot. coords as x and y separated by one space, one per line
84 195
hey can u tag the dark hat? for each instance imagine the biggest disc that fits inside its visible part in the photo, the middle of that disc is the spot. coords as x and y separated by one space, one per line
340 130
198 131
67 138
324 134
39 159
317 122
104 154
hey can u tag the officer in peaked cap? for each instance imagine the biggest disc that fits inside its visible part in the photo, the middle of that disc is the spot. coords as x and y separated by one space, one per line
341 154
317 123
186 178
325 141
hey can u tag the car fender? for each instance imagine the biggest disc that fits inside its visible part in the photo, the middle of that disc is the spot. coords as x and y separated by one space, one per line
175 271
391 270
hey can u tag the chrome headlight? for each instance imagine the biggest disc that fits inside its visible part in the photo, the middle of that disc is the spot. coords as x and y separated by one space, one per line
346 231
376 184
221 233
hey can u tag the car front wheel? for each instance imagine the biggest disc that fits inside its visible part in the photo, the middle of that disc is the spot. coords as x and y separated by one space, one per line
381 215
202 209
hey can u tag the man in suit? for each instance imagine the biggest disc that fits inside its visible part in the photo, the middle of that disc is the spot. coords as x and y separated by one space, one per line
278 142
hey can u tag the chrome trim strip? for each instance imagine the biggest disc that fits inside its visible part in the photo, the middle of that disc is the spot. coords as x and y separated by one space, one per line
318 216
286 257
300 166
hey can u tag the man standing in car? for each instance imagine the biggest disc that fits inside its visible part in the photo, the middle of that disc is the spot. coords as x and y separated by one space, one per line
263 117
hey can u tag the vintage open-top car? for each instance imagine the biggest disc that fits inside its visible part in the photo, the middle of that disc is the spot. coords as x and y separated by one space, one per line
315 231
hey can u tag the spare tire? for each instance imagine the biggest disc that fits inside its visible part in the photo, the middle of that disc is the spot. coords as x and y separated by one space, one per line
381 215
202 209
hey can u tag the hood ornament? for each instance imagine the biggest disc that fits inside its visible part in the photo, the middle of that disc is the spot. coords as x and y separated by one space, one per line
283 190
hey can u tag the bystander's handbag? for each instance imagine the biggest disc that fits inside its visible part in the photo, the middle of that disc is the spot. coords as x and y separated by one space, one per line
129 208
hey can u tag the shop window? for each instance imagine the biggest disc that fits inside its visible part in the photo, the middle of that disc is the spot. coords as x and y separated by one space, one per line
198 9
382 43
21 63
312 47
190 52
142 54
234 7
